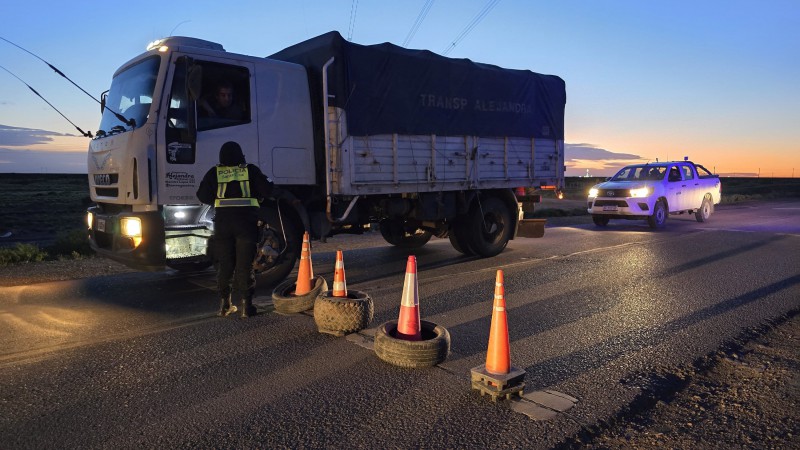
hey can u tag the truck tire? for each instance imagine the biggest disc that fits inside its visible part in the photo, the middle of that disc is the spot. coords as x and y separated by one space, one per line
458 238
394 232
599 220
488 227
706 208
659 216
430 351
278 248
343 315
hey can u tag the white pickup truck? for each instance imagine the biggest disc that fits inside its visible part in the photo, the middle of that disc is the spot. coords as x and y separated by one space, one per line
653 191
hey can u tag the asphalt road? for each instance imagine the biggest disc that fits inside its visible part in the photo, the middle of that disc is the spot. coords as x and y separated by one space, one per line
140 360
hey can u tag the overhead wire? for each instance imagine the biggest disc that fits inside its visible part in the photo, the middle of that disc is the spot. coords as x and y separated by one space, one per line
475 21
420 17
51 66
84 133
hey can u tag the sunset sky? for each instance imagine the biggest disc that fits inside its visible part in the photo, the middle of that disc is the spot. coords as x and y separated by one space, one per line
717 81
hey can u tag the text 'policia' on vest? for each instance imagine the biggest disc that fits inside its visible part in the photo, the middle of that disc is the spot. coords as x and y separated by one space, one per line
240 174
351 135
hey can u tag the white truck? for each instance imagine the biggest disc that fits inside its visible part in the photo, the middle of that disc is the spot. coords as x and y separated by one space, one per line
350 134
653 191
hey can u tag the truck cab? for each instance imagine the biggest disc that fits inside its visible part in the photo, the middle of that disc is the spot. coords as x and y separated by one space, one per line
156 142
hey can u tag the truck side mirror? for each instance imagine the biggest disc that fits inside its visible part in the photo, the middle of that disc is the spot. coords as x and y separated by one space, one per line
103 97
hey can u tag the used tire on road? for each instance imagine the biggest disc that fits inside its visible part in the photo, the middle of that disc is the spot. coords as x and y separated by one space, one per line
430 351
343 315
286 302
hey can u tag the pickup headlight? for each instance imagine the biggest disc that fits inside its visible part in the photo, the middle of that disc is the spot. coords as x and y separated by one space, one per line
593 192
641 192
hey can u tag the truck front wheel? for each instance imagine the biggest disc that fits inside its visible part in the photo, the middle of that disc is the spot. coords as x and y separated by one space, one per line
488 227
659 217
279 243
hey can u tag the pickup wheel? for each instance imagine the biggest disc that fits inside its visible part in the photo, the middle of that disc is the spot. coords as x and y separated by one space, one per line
659 217
395 233
599 220
702 214
488 227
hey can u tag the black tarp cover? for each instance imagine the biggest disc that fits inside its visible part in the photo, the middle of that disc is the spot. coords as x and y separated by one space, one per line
389 89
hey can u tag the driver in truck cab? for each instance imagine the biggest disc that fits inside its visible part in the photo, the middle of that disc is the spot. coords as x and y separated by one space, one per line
235 189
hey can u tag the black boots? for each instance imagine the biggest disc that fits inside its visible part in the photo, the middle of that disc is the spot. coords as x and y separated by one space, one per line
248 310
225 307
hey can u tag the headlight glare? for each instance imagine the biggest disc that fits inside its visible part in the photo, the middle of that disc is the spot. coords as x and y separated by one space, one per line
593 192
640 192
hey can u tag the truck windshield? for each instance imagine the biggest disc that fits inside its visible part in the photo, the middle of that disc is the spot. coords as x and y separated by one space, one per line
131 95
636 173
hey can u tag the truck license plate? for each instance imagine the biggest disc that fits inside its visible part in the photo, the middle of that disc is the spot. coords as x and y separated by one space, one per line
610 208
101 225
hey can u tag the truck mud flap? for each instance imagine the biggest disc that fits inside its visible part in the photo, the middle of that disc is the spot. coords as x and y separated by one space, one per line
531 228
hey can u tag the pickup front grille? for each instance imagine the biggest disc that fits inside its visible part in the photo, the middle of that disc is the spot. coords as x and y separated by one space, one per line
622 193
618 203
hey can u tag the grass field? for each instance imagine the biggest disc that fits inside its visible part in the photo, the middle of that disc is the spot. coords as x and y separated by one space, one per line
49 210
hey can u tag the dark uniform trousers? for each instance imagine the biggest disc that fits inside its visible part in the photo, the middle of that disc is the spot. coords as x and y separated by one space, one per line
239 232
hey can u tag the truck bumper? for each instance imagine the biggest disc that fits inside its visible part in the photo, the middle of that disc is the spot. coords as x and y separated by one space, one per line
106 239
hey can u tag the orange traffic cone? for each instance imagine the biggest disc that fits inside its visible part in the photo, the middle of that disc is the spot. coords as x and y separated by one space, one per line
498 357
304 272
307 243
339 284
408 325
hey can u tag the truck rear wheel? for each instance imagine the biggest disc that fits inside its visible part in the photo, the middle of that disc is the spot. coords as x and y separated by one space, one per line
488 227
395 233
458 240
659 217
702 214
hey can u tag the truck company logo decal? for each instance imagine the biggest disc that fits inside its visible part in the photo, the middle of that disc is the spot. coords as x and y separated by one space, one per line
610 193
458 103
179 179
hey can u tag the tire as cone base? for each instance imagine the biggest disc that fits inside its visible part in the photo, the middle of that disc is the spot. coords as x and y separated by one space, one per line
431 350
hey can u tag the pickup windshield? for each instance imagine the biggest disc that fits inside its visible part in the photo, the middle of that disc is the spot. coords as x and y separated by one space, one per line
131 94
637 173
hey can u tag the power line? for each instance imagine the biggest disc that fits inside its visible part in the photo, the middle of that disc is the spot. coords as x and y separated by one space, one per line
475 21
353 11
420 17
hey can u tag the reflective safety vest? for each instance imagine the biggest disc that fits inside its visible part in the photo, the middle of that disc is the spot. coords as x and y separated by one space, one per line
228 174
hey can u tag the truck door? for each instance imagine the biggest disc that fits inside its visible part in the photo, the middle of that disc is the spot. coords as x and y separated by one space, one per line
220 101
674 188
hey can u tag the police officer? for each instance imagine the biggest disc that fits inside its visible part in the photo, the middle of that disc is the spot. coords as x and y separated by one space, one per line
235 188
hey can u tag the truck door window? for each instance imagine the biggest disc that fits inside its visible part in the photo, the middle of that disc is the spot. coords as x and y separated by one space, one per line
225 98
687 173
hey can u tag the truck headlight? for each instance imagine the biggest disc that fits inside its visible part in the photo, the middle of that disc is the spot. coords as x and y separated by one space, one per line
641 192
131 227
593 192
89 219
